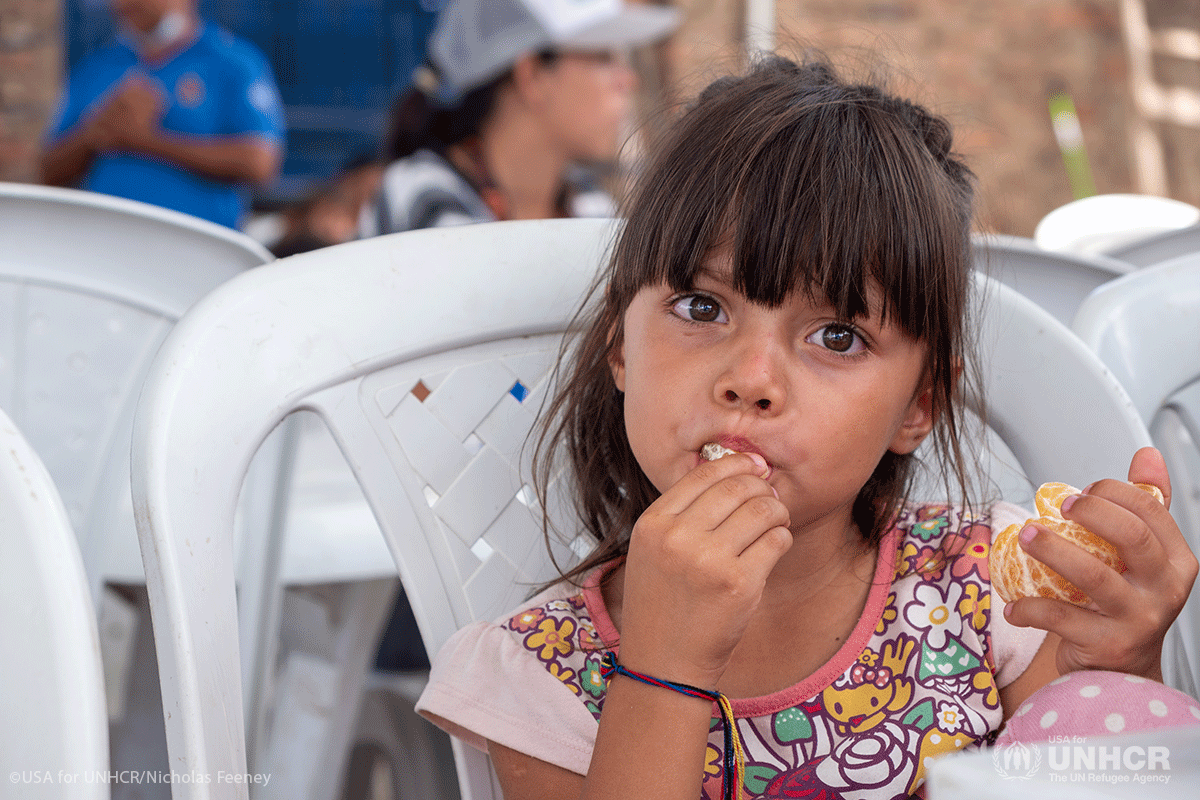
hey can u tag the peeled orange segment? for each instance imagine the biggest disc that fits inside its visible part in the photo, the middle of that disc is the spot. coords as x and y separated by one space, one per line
1015 574
1049 498
1152 489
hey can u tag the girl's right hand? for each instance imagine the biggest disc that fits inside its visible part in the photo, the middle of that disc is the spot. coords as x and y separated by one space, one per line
698 560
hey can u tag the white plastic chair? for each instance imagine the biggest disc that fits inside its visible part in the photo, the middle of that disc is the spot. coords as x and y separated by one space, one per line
89 286
1159 247
1146 328
1097 224
53 718
475 316
1056 281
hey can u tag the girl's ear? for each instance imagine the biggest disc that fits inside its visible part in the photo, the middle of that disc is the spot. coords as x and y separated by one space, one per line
921 414
616 363
918 419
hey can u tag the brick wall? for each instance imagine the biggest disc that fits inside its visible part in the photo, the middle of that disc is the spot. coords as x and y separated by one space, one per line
30 72
989 66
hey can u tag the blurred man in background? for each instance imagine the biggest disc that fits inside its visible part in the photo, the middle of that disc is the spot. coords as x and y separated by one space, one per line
176 112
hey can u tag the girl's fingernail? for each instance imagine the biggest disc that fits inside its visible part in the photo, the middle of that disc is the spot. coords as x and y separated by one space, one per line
1027 534
759 460
1087 488
1068 502
1007 610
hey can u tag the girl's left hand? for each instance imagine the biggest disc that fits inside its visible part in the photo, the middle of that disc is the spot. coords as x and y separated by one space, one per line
1123 628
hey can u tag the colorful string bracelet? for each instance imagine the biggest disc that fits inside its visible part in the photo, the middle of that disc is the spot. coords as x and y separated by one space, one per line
734 756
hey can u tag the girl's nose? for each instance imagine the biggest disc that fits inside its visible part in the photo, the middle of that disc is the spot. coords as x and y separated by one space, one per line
752 381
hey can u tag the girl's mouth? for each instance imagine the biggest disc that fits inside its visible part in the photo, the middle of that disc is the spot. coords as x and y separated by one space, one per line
740 444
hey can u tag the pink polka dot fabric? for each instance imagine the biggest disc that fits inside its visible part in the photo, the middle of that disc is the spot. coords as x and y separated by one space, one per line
1096 703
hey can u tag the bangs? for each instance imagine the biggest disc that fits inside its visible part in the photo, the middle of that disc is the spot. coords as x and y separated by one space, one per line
811 185
815 193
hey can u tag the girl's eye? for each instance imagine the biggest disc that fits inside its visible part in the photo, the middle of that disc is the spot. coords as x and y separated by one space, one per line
838 338
699 308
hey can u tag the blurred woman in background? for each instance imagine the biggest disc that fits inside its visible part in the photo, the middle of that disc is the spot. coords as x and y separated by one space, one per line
514 96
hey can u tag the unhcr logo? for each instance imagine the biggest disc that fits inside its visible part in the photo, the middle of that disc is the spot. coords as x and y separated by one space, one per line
1017 761
1074 760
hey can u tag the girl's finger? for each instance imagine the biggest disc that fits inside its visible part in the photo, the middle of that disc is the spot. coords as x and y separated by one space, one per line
696 482
763 553
749 522
1077 626
1119 514
1109 590
1148 466
749 499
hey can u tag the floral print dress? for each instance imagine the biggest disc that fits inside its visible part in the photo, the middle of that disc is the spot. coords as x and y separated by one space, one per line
916 679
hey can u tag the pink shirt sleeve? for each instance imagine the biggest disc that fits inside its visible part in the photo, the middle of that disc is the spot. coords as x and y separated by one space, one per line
1014 647
485 686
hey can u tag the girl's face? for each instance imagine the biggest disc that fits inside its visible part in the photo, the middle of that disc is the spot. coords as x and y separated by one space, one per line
586 101
819 399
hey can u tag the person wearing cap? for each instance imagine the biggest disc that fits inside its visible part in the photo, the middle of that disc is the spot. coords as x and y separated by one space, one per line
514 96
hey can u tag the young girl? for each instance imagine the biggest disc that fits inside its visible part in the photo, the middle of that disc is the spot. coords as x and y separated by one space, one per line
792 283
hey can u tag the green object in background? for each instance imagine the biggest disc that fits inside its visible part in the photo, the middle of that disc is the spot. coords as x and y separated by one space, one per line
1069 135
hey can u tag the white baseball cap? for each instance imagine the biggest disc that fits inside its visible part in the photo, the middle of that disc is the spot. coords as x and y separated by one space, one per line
476 41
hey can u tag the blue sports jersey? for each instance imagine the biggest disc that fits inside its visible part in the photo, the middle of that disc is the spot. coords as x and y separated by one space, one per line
219 86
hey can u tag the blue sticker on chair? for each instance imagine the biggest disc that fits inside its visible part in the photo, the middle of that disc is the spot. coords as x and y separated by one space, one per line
519 391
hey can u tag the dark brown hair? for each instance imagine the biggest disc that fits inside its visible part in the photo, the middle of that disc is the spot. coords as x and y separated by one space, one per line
419 121
817 185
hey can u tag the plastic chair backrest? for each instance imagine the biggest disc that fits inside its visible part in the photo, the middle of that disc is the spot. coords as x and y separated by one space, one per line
89 286
53 716
427 353
1159 247
1056 281
1146 328
1097 224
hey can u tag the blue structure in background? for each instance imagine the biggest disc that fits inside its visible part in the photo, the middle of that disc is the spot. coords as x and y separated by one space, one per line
339 64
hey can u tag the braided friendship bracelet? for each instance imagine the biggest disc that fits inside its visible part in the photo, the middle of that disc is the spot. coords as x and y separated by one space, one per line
734 756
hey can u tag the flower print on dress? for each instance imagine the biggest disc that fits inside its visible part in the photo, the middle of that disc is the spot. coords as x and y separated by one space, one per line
589 639
973 609
564 674
714 760
949 716
931 521
800 783
929 563
973 545
985 683
889 614
905 554
934 611
551 639
591 679
527 620
877 763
